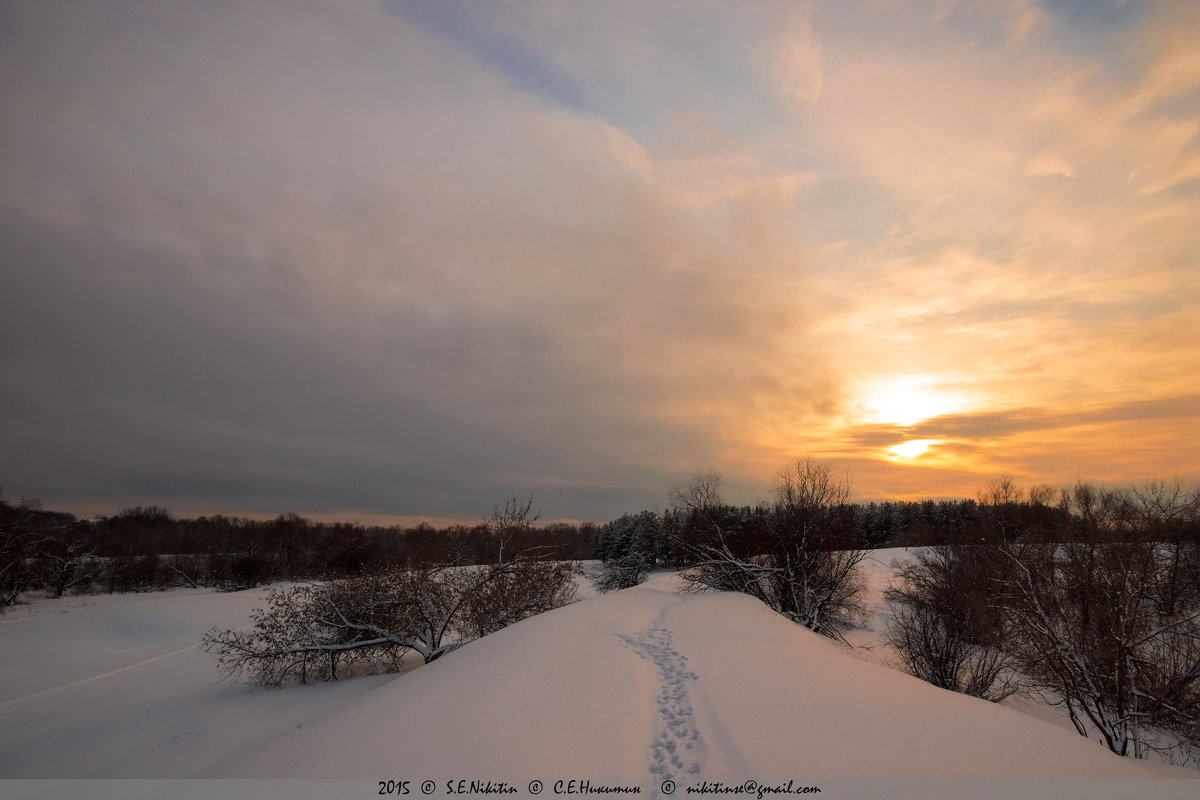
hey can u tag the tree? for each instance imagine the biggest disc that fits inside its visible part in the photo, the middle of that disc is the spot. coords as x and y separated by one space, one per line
698 516
66 557
20 536
496 597
700 495
944 626
1093 629
622 572
802 563
510 524
1165 513
307 633
629 547
299 635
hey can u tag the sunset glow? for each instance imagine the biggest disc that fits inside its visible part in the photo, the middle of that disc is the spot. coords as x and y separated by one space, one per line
906 400
404 258
912 449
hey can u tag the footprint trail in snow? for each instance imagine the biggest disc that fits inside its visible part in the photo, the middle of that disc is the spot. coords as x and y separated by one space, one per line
677 750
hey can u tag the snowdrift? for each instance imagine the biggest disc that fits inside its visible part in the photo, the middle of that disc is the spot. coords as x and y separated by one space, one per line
115 686
647 685
642 686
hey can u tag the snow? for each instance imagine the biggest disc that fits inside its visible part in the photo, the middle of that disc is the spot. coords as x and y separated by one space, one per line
117 687
633 678
640 686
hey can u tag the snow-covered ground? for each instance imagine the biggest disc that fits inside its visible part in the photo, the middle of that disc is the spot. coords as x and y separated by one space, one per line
117 687
640 687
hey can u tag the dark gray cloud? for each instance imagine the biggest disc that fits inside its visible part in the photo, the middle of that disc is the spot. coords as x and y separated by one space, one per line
130 384
299 258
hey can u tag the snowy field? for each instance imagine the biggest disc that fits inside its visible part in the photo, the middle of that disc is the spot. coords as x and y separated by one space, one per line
641 687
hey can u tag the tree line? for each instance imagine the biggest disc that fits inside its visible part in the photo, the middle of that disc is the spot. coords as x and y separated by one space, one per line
143 549
667 538
147 549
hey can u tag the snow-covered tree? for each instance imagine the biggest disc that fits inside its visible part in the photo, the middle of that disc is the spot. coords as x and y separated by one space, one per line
1094 632
496 597
308 633
945 627
622 572
65 557
21 534
631 533
803 562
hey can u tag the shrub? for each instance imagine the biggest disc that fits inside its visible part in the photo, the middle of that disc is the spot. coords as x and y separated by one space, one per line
309 633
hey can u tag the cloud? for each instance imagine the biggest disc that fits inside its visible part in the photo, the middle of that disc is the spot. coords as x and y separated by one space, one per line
1036 444
802 63
367 272
974 267
401 259
1047 164
1002 423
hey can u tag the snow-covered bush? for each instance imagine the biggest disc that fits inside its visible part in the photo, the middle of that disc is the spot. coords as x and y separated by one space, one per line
622 572
497 596
945 628
803 562
1106 621
311 632
304 634
19 540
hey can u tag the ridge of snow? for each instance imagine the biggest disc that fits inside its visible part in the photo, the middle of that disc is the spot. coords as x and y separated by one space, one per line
620 686
639 686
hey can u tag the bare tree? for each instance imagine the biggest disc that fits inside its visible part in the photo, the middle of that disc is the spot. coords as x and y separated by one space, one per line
512 592
300 635
1001 492
66 557
944 626
1042 494
701 494
622 572
20 537
999 507
511 524
307 633
1089 629
804 564
1169 515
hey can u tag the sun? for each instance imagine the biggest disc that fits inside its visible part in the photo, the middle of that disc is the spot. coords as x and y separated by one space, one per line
912 449
905 400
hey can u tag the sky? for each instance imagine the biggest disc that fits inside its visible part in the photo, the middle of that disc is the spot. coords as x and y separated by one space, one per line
377 259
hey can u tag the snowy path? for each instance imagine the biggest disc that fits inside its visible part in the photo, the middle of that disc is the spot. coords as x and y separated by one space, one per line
677 750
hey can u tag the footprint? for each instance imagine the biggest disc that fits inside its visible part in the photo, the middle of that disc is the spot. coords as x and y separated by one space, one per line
674 706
